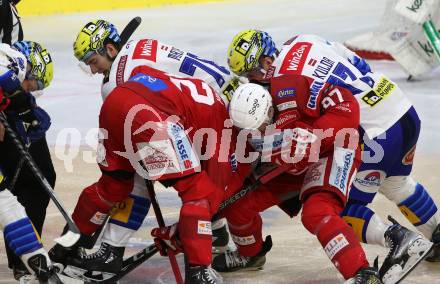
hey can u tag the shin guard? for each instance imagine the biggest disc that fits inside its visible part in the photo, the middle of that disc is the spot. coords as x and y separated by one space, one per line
367 226
321 217
420 209
248 237
195 233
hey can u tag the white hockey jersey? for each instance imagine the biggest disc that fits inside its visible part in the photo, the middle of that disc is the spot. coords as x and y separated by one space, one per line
166 58
381 101
12 67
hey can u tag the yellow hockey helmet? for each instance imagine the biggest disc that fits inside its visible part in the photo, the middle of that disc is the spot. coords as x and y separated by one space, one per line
40 62
91 38
246 49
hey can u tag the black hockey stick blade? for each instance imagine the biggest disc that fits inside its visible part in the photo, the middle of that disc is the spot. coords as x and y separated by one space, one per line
73 235
128 265
129 29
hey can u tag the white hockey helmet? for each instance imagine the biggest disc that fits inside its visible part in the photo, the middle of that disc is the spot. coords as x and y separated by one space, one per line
250 106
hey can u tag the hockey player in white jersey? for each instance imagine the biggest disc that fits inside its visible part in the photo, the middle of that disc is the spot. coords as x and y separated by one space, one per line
18 77
99 50
388 120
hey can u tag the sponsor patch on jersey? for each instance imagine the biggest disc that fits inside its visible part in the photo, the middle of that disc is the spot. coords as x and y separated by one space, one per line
286 118
243 241
159 158
408 159
98 218
381 90
204 227
369 181
267 143
314 175
295 58
120 70
340 172
315 90
146 49
175 53
286 92
152 83
335 245
286 105
187 158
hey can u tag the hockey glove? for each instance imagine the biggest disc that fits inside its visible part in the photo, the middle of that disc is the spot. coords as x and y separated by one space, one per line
4 101
32 124
167 238
298 151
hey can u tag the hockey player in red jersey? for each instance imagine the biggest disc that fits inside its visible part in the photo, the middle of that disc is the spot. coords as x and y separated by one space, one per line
99 48
321 143
385 112
152 125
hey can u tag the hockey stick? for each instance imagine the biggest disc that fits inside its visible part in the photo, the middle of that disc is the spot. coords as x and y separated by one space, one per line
129 29
17 174
137 259
73 235
262 180
161 223
127 266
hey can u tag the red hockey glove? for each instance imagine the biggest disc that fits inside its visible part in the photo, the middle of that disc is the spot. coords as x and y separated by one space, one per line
298 150
167 238
4 101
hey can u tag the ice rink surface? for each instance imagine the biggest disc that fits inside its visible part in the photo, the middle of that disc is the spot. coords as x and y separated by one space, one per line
73 101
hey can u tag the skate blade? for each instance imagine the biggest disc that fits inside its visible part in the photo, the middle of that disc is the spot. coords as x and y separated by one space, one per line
86 275
418 250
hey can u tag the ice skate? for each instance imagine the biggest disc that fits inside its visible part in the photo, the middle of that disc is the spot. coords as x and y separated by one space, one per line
202 275
368 275
407 249
102 264
44 273
232 260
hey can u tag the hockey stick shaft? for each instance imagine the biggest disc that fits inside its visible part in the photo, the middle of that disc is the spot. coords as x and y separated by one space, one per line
130 264
129 29
161 222
35 170
17 173
137 259
262 180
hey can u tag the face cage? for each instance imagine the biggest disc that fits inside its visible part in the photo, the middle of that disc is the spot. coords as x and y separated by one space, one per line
83 62
40 82
255 71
